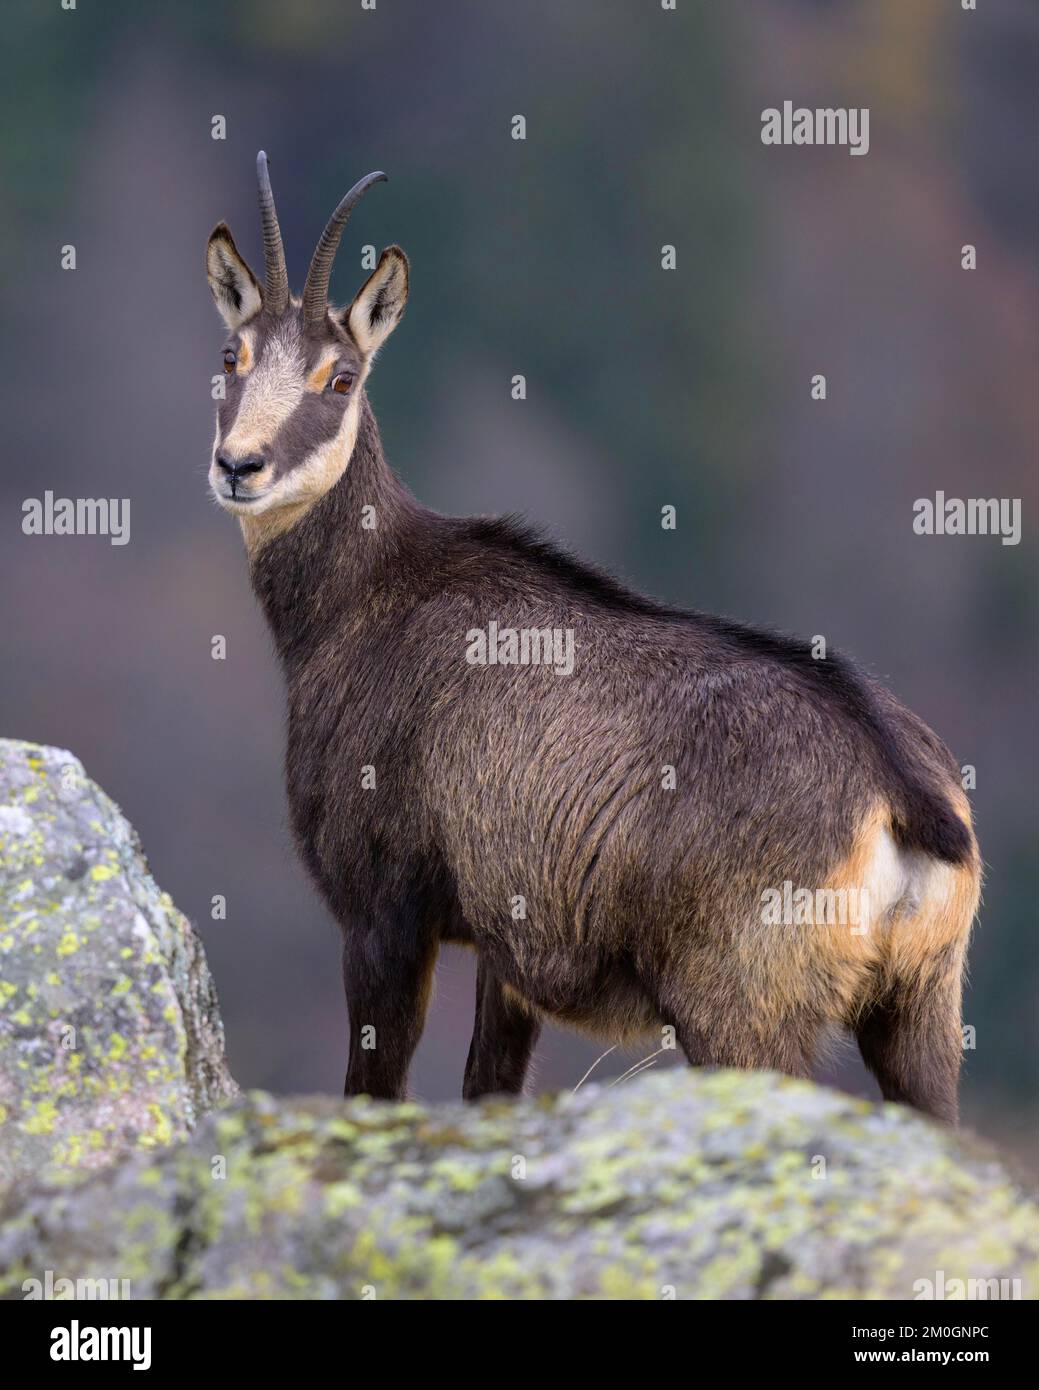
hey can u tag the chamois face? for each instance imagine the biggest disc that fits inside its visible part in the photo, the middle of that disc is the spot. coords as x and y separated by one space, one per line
285 429
288 421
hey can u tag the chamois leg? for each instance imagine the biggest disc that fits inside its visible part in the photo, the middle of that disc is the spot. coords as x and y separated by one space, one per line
789 1046
504 1036
721 1026
911 1040
388 976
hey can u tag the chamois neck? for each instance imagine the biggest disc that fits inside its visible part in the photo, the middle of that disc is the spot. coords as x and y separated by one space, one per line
341 560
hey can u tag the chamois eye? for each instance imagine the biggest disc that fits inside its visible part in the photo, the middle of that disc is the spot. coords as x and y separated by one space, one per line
342 382
230 361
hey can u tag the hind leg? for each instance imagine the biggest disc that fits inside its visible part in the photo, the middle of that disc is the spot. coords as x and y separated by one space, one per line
787 1045
729 1019
724 1026
911 1037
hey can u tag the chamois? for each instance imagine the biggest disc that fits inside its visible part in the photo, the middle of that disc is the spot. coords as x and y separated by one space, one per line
604 839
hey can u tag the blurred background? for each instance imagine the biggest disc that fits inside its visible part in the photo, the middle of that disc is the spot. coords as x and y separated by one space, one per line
645 388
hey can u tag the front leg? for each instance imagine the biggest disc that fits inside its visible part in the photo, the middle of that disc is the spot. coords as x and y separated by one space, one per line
387 971
504 1037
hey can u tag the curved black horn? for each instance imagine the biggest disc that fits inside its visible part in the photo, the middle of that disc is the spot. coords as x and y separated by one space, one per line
315 291
276 294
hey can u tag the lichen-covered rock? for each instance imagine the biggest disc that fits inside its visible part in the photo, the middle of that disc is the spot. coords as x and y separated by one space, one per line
110 1037
684 1185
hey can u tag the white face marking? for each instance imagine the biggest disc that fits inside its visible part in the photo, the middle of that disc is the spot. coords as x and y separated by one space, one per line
319 471
282 505
273 390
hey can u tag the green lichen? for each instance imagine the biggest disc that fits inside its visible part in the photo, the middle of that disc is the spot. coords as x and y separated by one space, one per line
106 1007
684 1185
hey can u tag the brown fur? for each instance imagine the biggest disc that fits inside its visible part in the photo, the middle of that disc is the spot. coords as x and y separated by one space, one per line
642 904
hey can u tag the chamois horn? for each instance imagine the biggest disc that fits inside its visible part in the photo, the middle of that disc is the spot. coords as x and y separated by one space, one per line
315 291
276 294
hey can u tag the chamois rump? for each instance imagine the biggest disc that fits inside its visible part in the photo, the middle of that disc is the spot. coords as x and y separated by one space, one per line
430 795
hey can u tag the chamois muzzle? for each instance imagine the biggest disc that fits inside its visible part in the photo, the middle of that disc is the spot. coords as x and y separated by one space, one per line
234 470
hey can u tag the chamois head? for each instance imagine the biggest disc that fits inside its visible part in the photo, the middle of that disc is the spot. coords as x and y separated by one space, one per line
295 368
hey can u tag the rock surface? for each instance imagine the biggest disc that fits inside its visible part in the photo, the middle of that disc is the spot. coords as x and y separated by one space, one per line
120 1158
684 1185
110 1036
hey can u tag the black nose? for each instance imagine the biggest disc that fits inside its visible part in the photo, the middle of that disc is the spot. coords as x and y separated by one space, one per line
239 468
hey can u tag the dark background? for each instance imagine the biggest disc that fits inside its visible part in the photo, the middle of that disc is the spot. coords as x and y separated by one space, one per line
644 388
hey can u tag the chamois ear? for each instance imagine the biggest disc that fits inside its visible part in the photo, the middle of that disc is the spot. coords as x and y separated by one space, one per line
235 288
380 301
